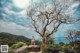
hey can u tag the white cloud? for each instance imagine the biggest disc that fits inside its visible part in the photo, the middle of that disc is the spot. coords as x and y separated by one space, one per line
22 13
21 3
13 28
3 14
71 9
8 11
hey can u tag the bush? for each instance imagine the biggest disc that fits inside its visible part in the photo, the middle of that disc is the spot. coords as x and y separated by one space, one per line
53 46
18 44
44 50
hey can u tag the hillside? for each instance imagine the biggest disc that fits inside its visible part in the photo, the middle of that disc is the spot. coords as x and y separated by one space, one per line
7 38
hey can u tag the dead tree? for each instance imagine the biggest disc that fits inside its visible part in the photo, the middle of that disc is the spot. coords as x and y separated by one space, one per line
72 36
47 17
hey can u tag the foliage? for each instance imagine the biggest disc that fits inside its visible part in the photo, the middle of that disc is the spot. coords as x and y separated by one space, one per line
53 46
18 44
77 46
50 40
44 50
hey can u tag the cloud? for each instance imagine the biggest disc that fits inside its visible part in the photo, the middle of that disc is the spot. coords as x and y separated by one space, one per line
22 13
8 11
13 28
71 9
11 13
64 27
21 3
3 14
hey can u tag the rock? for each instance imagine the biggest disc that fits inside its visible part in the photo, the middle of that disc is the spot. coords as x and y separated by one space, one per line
21 49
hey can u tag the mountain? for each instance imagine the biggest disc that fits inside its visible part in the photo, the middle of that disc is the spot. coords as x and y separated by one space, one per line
9 39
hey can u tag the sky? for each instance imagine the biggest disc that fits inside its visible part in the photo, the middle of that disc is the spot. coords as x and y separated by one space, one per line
13 18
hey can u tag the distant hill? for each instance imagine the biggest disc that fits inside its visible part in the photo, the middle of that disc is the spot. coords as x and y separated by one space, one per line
10 39
7 38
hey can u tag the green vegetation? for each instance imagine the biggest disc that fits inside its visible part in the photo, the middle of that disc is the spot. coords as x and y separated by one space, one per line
63 47
10 39
16 41
18 45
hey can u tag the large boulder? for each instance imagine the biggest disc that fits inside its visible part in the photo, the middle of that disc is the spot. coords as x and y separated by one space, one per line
21 49
33 48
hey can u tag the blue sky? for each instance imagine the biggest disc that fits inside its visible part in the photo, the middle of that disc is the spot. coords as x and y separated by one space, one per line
13 18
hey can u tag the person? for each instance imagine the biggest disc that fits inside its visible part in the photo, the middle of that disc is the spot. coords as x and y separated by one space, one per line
33 41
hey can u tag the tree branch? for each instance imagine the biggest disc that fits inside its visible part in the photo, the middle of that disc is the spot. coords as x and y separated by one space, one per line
35 27
54 30
44 28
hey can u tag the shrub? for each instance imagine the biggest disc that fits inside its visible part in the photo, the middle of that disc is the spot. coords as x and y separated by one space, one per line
17 45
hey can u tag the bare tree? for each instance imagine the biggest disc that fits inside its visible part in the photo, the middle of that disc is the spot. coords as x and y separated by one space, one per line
78 33
73 36
47 17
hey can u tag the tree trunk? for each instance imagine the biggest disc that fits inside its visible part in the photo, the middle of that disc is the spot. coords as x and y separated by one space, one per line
44 41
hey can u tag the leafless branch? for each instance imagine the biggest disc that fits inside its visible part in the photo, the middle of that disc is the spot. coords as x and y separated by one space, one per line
47 18
54 29
35 26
